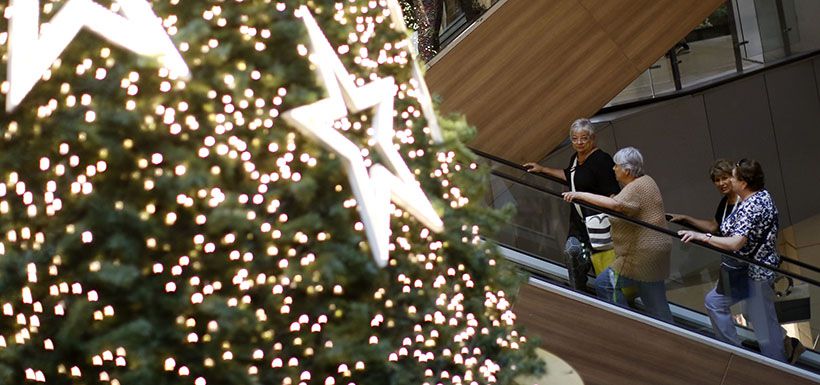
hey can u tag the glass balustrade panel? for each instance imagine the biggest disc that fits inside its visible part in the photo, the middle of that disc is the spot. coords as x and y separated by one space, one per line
539 227
802 24
707 53
655 81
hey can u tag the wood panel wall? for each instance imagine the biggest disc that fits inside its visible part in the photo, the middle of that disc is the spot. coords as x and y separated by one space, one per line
609 349
531 67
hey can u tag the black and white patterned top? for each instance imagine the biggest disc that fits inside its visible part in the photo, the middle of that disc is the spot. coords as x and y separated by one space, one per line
756 219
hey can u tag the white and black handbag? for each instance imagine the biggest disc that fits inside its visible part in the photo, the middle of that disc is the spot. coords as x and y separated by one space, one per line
598 227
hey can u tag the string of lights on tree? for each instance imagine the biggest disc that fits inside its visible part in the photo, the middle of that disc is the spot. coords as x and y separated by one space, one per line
239 192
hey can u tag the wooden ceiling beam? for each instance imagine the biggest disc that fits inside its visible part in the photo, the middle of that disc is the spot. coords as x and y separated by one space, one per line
531 67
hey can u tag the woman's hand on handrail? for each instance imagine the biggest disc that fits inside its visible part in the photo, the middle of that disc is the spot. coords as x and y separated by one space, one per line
533 167
595 199
731 243
688 236
553 172
703 225
678 218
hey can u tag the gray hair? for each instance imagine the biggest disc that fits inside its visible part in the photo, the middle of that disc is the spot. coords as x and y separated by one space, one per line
582 125
631 160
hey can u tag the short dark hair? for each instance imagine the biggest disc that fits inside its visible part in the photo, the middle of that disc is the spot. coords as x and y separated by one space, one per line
722 168
751 172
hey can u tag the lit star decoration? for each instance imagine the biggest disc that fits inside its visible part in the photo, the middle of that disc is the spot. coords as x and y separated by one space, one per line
373 188
32 49
161 230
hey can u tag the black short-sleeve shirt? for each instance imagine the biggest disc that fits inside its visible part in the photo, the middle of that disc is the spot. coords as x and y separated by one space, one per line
596 176
724 207
722 211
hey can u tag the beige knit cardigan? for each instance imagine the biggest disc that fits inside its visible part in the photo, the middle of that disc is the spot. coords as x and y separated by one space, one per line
642 253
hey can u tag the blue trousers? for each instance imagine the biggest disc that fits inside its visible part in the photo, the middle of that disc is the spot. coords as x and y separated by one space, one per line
759 307
608 286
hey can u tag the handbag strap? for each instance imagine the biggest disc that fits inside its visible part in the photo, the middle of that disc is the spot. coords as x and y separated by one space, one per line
572 185
762 241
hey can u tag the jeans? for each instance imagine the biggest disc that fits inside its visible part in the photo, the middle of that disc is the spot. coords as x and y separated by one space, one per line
759 307
608 286
577 262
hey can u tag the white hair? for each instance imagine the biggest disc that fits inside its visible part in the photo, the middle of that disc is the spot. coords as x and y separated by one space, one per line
582 125
631 160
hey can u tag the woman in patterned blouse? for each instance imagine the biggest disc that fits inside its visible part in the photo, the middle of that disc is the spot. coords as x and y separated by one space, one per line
751 232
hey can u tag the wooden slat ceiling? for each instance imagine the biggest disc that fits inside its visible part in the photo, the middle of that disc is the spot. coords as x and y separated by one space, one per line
531 67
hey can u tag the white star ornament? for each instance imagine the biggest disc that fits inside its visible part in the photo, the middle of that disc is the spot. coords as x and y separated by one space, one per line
34 48
375 187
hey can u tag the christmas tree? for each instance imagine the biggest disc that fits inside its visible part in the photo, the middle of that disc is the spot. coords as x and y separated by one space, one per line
241 192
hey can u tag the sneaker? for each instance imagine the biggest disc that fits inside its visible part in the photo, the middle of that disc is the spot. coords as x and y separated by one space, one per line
793 349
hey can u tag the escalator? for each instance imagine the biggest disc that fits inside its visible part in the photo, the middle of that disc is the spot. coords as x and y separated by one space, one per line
510 70
612 345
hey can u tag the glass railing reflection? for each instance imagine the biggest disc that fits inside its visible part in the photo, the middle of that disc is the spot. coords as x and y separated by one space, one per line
739 36
744 36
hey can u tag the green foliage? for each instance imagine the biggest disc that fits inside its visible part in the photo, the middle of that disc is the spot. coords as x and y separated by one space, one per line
177 228
409 9
720 17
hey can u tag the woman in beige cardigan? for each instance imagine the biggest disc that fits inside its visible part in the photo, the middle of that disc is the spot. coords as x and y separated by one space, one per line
642 254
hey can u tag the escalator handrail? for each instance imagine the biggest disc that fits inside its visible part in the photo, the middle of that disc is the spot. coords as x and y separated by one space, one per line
662 230
547 277
505 162
516 165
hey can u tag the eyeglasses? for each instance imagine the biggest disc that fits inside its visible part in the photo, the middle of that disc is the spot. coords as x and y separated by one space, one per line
582 139
740 162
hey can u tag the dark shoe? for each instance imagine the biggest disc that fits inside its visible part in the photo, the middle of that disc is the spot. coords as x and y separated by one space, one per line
793 349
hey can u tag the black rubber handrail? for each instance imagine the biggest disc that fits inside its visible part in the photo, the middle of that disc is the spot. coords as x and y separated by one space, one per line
563 182
651 226
545 275
515 165
661 230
